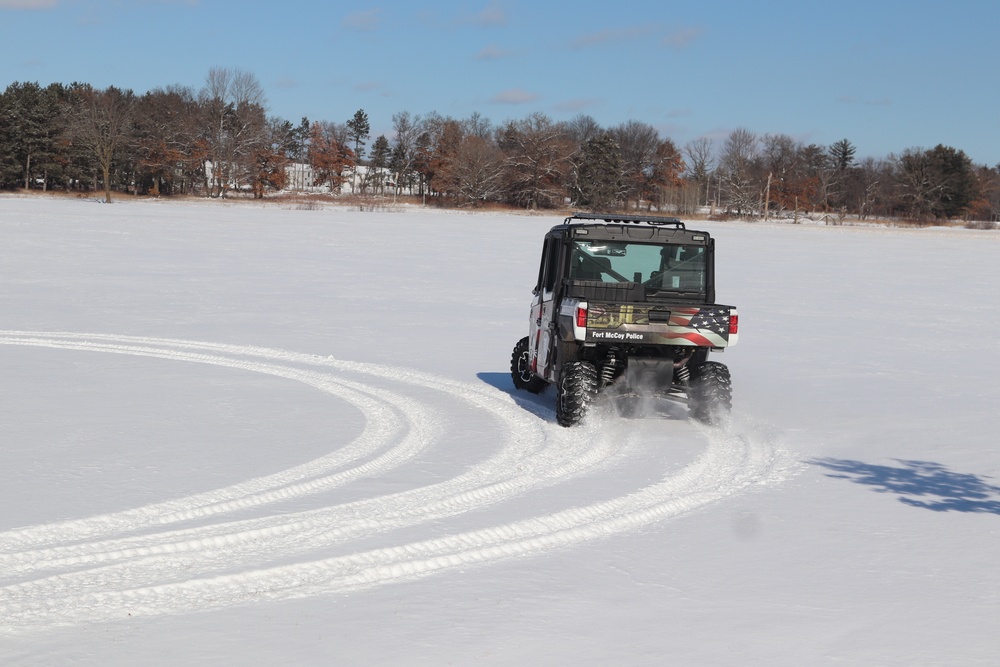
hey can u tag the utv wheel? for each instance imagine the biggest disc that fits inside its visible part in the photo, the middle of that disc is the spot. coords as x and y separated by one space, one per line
576 389
710 393
520 369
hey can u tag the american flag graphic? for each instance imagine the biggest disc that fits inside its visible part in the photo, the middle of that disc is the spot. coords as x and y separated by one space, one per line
706 327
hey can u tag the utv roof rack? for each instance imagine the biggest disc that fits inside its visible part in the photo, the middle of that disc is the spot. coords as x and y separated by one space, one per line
637 219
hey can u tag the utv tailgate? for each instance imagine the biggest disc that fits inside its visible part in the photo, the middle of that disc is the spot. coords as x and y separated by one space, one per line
646 324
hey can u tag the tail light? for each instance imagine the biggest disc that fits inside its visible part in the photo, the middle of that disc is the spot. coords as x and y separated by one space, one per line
581 316
734 324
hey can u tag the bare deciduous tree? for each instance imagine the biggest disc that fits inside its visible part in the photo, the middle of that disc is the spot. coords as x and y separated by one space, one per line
582 128
478 125
538 161
235 126
638 143
407 129
102 124
736 171
478 171
699 161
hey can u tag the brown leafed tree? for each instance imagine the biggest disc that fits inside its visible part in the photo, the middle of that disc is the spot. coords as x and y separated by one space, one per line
986 206
664 174
329 155
447 137
272 158
165 140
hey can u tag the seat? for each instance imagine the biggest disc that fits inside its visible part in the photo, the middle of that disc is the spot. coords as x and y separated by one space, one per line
591 268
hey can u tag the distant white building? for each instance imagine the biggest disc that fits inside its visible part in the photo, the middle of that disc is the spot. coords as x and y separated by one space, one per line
301 178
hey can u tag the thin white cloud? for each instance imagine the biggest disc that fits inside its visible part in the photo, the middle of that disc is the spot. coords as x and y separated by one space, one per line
490 16
366 21
570 106
28 4
514 96
368 86
611 35
492 52
681 37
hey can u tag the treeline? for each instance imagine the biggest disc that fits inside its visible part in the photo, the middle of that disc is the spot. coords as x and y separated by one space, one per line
175 141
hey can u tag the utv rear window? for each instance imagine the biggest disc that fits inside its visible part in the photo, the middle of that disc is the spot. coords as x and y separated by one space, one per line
670 268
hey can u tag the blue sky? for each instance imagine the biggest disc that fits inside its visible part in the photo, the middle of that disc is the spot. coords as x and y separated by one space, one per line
886 75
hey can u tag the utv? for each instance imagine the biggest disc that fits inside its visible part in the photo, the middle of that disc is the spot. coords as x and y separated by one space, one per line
627 301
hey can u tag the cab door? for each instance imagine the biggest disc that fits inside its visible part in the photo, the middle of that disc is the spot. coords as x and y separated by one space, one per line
542 325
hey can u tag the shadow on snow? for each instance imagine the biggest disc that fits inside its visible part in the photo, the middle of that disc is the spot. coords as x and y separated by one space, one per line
921 484
620 405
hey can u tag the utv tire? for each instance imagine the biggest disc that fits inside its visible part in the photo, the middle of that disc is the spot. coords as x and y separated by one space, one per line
520 369
576 389
710 393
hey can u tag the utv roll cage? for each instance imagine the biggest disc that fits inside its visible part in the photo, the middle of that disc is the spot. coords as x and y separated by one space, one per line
626 219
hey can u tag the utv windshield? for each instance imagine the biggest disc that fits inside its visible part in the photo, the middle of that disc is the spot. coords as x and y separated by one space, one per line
659 268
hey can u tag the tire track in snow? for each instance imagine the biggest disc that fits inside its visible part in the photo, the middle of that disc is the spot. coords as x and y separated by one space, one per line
465 492
140 561
381 432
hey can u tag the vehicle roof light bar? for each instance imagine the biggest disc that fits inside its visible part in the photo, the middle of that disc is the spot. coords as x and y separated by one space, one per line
636 219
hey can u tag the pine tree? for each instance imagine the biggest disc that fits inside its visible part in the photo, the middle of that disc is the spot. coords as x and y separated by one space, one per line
599 181
379 161
842 154
358 130
957 185
28 133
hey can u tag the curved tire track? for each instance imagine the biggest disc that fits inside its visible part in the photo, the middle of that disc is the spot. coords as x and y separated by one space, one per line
144 561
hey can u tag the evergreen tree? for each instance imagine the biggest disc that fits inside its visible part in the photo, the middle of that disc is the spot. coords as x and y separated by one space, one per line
956 179
599 181
299 151
358 130
28 133
379 161
939 182
399 164
842 154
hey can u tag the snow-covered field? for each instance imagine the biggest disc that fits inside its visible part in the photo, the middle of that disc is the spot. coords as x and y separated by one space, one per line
243 434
